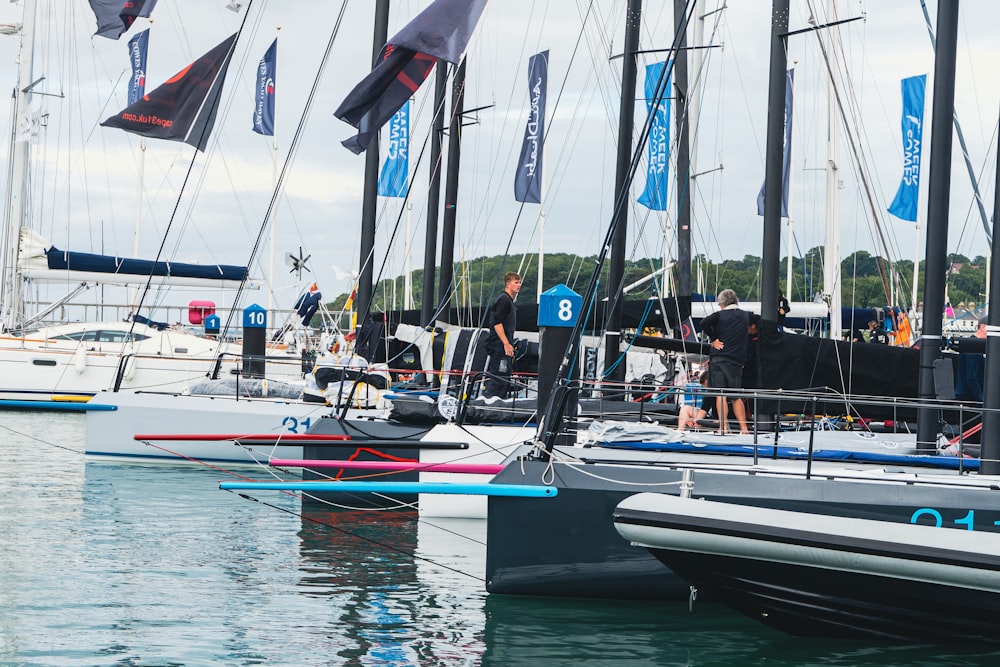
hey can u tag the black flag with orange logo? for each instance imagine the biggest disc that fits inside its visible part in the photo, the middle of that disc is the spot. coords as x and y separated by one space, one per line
184 107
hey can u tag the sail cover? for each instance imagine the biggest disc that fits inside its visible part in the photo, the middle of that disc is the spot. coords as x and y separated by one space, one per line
40 260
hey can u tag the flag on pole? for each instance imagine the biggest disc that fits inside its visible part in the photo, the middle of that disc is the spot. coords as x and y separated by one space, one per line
115 17
441 31
392 182
528 177
786 150
263 111
184 107
29 125
137 47
904 206
654 196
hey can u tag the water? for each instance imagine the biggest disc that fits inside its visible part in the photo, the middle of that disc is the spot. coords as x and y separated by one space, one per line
118 564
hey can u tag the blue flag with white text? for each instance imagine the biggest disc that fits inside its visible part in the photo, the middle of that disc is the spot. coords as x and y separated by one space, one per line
904 206
392 182
654 196
137 47
786 150
528 177
263 110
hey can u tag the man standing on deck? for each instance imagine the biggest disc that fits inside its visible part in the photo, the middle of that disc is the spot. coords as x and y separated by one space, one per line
728 331
500 341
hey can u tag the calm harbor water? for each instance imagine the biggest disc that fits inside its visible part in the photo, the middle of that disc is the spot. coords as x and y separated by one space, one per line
119 564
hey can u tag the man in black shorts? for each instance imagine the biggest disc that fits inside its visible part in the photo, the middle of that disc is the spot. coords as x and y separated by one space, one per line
728 330
500 341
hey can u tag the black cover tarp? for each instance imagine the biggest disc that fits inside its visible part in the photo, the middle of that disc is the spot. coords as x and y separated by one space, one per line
790 361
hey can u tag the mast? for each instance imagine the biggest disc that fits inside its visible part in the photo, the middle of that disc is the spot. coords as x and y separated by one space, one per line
616 280
370 199
445 288
989 457
433 195
16 210
771 255
683 154
831 258
936 247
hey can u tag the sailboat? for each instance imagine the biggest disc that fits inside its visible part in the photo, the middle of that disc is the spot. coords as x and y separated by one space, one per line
575 549
63 365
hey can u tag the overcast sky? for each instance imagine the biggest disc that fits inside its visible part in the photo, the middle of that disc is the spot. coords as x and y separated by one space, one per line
86 177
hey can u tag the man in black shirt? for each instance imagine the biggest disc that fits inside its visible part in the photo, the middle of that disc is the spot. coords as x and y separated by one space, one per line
500 340
783 309
728 330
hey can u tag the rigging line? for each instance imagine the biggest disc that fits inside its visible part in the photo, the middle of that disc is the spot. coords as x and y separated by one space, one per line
549 429
383 545
44 442
177 203
961 141
545 137
861 167
292 150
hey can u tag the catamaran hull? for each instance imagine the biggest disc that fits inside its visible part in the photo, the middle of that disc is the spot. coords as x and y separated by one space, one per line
822 576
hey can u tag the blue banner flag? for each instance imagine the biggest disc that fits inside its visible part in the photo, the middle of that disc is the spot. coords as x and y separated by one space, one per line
786 150
184 107
441 31
528 177
654 197
263 111
137 47
904 206
393 181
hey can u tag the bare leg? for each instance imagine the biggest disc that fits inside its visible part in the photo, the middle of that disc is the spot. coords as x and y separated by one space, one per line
722 410
741 415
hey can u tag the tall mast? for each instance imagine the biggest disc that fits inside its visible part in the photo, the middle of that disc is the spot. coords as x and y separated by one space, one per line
433 195
616 279
831 259
771 255
445 288
370 199
936 247
989 458
16 210
683 155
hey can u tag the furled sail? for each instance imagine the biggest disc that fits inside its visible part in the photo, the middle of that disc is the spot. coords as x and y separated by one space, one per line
40 260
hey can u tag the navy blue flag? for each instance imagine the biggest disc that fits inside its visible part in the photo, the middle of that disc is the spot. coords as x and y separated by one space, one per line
786 150
392 182
137 47
654 196
184 107
904 206
115 17
263 111
528 177
442 31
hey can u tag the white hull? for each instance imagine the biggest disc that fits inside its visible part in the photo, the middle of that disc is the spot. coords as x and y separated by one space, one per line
109 434
83 359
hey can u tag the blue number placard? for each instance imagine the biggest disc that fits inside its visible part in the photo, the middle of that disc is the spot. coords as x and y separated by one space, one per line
254 317
559 307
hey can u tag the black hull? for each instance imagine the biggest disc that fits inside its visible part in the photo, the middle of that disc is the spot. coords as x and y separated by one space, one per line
568 546
809 602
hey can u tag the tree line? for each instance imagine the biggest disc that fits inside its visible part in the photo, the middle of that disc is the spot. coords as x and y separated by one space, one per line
865 279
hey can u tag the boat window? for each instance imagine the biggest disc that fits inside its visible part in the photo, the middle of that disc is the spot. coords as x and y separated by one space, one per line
112 336
76 335
43 362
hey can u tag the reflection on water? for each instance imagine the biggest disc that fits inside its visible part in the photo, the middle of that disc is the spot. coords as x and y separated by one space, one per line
151 564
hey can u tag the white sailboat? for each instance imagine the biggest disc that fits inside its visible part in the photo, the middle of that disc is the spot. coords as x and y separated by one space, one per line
53 363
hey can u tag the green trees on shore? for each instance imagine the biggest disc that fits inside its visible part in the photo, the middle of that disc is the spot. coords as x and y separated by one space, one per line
865 278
